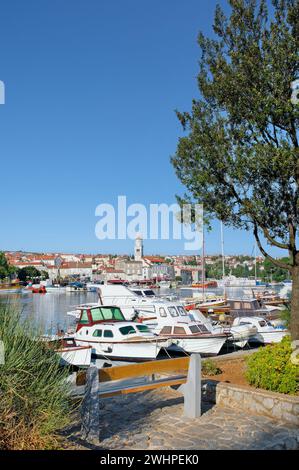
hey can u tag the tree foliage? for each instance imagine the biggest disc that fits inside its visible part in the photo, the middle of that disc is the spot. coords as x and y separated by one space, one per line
5 269
239 156
28 272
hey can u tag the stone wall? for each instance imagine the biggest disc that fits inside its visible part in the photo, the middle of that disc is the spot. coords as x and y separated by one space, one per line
274 405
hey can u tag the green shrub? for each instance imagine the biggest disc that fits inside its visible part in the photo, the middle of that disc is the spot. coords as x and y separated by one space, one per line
210 368
34 395
271 368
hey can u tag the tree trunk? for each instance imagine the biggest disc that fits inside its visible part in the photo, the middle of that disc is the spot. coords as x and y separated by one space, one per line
295 304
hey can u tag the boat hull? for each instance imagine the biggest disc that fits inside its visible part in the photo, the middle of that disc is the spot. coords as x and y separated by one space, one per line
206 346
79 357
129 351
269 337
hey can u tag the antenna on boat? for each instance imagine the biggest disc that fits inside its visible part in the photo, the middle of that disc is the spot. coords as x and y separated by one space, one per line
100 296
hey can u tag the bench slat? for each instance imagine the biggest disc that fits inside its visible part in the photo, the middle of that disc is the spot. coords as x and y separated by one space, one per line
141 388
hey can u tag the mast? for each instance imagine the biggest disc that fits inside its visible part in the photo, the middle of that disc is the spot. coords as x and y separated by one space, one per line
203 265
255 268
222 252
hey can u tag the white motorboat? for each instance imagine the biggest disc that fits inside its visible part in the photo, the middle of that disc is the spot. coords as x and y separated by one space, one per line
233 281
133 304
56 288
266 332
238 335
194 338
156 313
111 336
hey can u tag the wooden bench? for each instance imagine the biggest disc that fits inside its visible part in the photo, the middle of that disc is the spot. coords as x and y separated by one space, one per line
107 382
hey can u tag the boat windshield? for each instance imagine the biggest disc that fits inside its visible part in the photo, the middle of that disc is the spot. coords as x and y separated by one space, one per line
127 330
106 313
149 293
137 292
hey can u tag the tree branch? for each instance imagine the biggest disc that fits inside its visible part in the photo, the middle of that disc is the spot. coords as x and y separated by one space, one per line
272 240
275 261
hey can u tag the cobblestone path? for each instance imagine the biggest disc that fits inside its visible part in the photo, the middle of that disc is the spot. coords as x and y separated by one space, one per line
153 420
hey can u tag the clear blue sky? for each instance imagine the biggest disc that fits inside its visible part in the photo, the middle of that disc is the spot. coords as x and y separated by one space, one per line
91 89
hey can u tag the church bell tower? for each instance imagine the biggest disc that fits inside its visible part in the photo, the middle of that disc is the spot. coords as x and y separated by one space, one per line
138 252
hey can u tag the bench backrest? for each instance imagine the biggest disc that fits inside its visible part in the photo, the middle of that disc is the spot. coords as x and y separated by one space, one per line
165 366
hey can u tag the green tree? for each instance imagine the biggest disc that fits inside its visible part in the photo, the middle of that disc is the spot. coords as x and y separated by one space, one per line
6 270
239 156
275 273
29 272
44 274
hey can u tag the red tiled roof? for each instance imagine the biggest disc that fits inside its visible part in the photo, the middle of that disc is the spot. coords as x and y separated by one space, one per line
155 259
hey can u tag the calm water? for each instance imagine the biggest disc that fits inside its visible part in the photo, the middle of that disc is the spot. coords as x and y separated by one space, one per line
50 309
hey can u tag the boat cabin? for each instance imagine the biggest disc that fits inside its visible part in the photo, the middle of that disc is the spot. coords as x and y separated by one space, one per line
120 331
93 314
246 307
183 330
258 322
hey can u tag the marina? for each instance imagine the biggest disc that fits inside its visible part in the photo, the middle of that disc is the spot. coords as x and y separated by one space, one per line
184 330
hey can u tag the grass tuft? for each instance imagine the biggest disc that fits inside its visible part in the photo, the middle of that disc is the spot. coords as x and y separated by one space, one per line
34 393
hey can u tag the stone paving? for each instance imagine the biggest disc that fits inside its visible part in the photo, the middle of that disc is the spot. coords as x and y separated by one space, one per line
154 420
